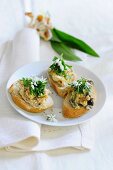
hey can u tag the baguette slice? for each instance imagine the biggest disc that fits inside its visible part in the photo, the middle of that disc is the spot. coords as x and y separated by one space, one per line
60 75
69 111
61 91
19 101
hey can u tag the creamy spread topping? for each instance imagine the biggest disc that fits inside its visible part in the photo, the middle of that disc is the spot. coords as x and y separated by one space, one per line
60 72
33 91
82 94
35 86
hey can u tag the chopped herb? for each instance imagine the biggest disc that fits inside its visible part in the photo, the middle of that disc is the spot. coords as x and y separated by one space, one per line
35 85
81 86
27 81
59 66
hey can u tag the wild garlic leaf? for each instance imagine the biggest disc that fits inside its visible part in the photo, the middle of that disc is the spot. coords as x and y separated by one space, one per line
54 36
75 42
61 48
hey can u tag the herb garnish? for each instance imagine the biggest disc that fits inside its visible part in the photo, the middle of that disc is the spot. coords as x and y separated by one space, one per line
35 85
82 85
51 117
59 66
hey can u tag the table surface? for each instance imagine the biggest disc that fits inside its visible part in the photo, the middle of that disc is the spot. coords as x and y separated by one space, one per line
91 20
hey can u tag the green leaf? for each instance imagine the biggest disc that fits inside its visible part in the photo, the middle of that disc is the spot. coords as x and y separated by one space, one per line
61 48
59 66
54 36
74 42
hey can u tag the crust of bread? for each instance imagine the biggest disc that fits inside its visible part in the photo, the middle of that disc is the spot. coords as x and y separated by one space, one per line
61 91
26 106
70 112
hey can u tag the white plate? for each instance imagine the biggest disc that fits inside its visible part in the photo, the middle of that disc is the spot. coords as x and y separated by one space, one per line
40 68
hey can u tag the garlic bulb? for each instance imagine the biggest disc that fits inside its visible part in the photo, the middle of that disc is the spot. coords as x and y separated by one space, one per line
42 23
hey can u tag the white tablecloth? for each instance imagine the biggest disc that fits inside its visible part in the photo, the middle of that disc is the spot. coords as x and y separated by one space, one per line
91 20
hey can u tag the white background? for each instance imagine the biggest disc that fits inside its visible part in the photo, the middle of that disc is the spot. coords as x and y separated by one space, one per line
91 20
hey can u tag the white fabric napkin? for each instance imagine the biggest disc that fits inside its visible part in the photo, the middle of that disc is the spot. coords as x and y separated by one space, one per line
18 134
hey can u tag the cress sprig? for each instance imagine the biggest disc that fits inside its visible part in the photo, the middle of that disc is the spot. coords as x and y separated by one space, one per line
35 86
82 85
59 66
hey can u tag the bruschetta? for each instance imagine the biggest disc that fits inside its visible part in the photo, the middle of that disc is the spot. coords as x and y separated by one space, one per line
80 99
60 75
31 94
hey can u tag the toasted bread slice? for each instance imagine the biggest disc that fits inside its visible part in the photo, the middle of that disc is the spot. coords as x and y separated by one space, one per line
69 111
19 101
61 75
61 91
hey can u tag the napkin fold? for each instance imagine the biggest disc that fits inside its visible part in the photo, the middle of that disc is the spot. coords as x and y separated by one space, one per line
18 134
